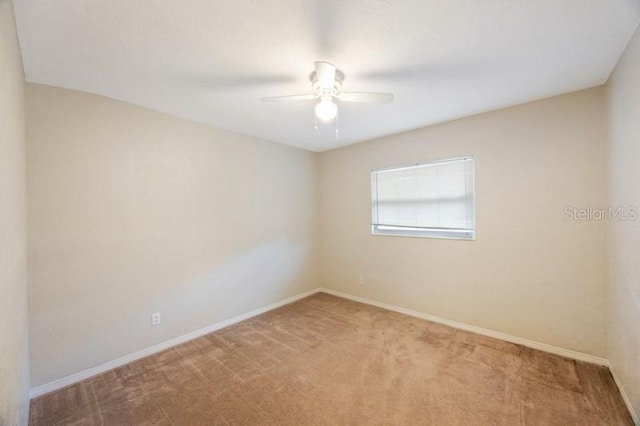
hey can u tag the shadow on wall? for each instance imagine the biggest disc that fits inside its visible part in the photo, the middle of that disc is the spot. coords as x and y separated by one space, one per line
266 272
260 274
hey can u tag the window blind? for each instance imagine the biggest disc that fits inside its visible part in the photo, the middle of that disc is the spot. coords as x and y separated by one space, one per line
433 199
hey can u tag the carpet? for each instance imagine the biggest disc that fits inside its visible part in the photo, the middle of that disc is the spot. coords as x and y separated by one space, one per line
325 360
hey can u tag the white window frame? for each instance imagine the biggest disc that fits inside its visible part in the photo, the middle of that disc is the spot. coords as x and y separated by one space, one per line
403 231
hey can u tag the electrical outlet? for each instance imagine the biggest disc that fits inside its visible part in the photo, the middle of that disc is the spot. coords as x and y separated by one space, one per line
361 279
155 319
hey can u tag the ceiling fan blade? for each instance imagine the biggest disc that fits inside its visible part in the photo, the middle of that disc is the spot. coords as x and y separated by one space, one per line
290 98
379 98
326 74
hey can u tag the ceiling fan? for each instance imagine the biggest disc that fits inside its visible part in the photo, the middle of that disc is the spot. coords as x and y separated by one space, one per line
326 81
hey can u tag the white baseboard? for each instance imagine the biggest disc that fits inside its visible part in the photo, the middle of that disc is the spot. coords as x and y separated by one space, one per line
478 330
625 398
110 365
85 374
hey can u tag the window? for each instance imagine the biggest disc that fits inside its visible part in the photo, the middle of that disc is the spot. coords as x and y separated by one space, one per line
434 199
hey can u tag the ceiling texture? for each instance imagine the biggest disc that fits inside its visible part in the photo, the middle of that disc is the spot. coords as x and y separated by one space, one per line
212 60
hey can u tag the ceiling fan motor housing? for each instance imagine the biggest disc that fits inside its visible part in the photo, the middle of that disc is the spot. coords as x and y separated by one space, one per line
324 92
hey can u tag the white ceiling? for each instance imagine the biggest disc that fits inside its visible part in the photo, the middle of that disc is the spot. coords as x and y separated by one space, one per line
212 60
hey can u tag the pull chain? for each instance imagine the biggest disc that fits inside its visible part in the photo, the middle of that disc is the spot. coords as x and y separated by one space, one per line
337 127
316 120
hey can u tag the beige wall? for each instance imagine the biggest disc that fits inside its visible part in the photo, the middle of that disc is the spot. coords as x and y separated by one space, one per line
134 212
530 273
14 363
624 236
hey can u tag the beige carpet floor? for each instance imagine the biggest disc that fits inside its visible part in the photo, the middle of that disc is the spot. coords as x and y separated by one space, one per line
329 361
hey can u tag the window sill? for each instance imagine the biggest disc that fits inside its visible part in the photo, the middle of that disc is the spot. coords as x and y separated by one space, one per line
447 234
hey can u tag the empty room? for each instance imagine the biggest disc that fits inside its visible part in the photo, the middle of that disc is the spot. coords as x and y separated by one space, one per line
320 212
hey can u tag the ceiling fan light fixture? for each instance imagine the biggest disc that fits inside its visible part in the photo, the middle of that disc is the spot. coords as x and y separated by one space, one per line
326 110
326 81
